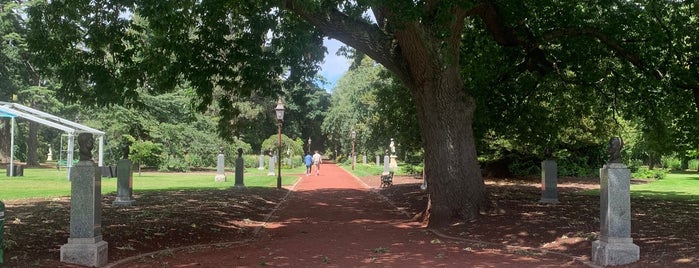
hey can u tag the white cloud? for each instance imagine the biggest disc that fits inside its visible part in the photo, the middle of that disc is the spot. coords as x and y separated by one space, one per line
334 66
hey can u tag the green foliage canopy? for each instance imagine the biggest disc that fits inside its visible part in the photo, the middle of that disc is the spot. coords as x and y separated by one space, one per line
647 47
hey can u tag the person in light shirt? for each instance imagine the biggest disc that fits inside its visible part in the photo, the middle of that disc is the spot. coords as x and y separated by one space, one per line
317 160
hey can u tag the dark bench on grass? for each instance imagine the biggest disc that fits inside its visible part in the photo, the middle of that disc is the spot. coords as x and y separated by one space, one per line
17 170
387 180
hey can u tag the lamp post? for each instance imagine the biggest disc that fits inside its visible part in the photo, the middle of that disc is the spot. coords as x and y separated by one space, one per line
354 135
279 110
309 145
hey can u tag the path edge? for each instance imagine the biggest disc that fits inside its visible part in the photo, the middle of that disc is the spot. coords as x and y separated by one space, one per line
255 232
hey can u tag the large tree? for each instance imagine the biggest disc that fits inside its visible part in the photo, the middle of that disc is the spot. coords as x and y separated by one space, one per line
261 46
17 75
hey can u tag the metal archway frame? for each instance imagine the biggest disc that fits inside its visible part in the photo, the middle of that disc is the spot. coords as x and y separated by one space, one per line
14 110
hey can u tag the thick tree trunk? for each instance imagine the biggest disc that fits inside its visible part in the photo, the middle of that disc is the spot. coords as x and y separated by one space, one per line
427 63
32 144
445 113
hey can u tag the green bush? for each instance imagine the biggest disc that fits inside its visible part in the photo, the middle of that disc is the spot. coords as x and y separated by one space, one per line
146 153
196 160
175 164
413 169
694 164
340 159
672 163
523 165
576 167
644 173
635 164
523 169
251 161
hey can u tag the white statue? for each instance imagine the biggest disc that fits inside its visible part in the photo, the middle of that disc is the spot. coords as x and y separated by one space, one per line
393 147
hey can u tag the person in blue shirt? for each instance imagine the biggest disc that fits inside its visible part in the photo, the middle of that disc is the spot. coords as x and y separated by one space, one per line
308 161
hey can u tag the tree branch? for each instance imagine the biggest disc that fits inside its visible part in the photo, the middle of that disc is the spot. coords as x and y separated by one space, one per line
606 40
457 27
506 36
362 36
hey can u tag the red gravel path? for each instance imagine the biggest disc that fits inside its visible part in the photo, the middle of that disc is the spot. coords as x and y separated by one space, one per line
333 220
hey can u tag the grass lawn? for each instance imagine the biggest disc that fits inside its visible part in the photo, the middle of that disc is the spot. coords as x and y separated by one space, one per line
49 183
370 169
673 186
361 170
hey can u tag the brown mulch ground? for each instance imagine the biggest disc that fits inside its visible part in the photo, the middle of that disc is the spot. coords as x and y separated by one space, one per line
227 221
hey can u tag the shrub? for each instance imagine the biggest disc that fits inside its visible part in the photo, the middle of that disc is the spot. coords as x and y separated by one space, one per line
341 158
251 161
175 164
644 173
672 163
576 167
523 165
413 169
146 153
694 164
635 164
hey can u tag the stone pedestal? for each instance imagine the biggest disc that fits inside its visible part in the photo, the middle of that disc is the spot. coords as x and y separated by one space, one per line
85 245
85 252
549 182
272 162
364 159
615 245
386 165
220 169
378 161
124 183
394 163
239 171
262 162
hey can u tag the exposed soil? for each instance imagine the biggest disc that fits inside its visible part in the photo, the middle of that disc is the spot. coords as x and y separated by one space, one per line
516 227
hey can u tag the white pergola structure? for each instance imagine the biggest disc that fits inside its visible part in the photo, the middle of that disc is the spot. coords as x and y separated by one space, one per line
13 110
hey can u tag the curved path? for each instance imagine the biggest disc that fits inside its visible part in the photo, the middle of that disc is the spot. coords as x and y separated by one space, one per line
334 220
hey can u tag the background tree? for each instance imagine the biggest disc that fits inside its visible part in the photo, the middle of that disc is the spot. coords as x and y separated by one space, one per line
307 107
13 74
353 108
295 147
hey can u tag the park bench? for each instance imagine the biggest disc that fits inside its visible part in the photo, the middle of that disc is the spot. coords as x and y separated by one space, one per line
387 180
17 170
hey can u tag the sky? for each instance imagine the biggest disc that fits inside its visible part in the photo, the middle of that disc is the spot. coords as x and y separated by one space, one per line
334 66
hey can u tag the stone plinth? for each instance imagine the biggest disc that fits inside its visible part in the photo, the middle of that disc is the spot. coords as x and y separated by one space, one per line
272 162
549 182
615 245
262 162
85 245
386 165
239 171
86 252
378 161
220 169
124 183
394 163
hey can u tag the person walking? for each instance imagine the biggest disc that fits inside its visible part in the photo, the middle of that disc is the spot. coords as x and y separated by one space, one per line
308 160
317 160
